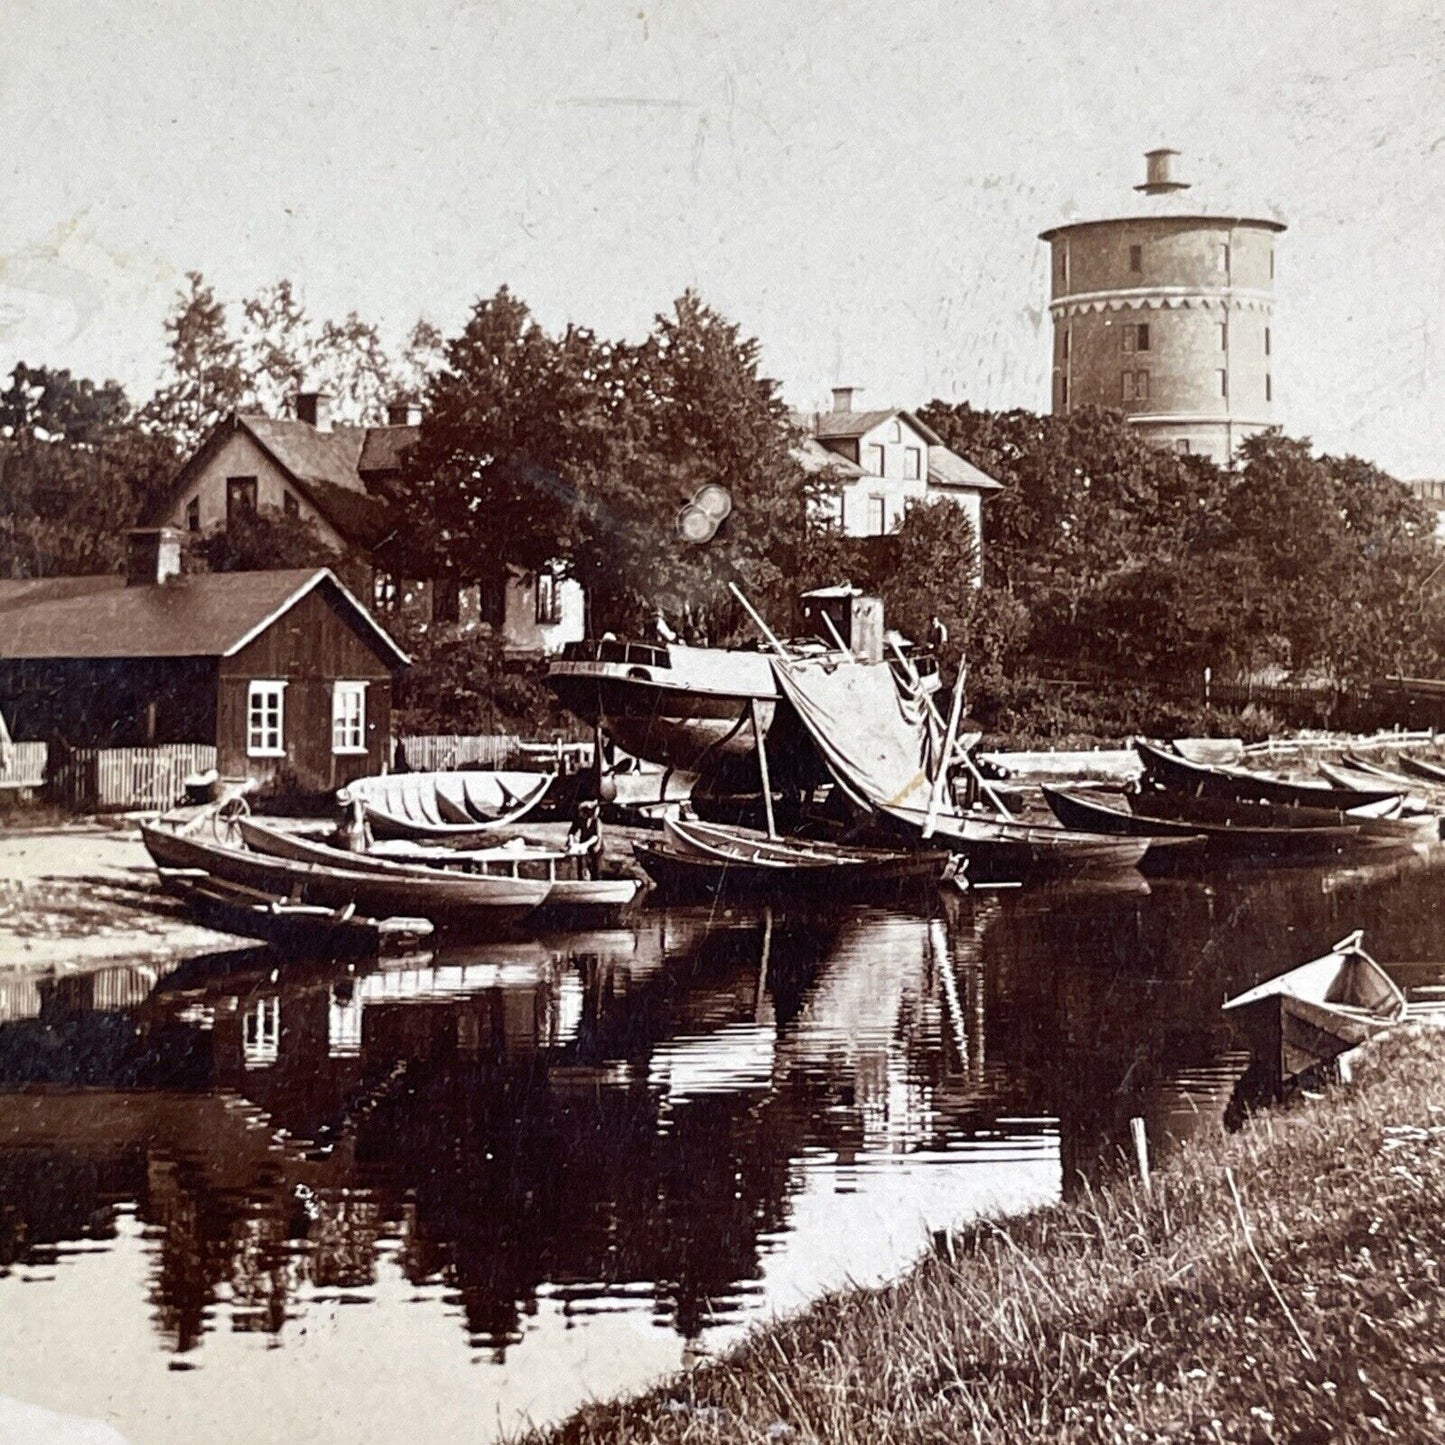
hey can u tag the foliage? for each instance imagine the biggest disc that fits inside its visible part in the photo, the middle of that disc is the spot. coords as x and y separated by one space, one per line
574 449
267 540
203 379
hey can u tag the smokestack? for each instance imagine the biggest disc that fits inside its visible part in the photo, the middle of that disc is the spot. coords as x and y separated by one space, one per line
314 408
152 555
843 398
1159 173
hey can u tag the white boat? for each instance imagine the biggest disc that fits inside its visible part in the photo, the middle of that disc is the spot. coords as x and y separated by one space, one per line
455 805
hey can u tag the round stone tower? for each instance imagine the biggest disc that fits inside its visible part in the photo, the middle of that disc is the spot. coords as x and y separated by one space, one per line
1165 313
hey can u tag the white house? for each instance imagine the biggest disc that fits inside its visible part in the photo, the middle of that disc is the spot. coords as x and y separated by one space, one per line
885 459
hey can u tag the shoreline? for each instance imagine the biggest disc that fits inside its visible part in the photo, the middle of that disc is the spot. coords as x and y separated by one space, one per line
1278 1284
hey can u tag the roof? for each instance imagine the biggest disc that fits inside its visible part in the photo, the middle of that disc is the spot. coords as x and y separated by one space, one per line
947 469
1205 203
330 467
816 459
837 425
212 615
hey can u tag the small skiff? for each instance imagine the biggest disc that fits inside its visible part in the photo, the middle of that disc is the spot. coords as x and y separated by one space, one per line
1178 774
1314 1013
453 807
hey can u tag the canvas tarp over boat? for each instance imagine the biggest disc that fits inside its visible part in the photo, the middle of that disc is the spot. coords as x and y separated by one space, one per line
881 742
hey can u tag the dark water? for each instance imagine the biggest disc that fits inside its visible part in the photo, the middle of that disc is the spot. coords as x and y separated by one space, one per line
471 1190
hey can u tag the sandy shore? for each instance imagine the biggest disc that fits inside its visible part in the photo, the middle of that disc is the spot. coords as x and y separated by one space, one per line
84 895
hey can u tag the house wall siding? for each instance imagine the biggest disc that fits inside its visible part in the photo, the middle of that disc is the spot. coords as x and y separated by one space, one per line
312 646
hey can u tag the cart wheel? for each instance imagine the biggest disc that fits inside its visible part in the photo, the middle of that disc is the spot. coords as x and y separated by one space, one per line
225 818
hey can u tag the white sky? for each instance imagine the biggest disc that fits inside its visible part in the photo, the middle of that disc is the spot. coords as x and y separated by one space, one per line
860 185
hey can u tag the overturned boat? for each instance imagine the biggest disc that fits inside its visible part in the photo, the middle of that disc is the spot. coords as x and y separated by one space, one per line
452 807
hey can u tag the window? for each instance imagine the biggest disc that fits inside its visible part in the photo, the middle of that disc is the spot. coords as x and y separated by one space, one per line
1064 392
1268 387
348 717
261 1034
290 505
1068 341
1266 341
1136 258
1182 446
549 599
193 515
385 595
1222 258
874 463
1224 383
877 516
1135 386
265 720
1271 263
895 432
1224 336
912 457
1136 336
240 498
1064 263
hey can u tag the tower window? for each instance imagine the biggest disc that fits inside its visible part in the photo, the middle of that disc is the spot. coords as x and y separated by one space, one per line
1136 258
1271 263
1136 336
1223 383
1222 260
1268 387
1266 340
1066 338
1182 446
1224 336
1134 385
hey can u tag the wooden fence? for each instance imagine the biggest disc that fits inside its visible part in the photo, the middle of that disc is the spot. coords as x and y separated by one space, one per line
438 753
23 766
99 780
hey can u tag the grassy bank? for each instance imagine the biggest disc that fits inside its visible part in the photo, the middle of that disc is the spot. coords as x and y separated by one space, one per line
1279 1284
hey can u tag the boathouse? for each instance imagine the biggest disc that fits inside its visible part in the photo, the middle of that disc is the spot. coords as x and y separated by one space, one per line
284 673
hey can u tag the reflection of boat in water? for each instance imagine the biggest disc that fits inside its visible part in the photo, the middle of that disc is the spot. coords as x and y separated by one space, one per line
1312 1014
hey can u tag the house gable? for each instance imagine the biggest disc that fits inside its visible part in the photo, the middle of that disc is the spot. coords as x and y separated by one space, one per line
233 451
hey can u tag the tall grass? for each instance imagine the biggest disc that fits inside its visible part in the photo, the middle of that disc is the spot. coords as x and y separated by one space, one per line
1279 1284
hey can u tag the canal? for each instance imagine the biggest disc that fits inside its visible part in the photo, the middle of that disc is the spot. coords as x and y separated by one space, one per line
249 1197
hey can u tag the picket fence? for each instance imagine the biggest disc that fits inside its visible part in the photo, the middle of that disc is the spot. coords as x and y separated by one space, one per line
439 753
107 780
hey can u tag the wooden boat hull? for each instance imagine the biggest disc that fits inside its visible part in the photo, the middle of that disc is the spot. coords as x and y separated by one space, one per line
1423 769
1178 774
1310 1015
541 865
723 843
684 875
457 807
300 929
456 900
1251 829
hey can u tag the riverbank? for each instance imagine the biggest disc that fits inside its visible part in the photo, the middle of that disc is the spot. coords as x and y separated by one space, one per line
1280 1284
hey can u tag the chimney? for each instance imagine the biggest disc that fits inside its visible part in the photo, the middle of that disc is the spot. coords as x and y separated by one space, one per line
403 413
843 398
152 556
314 408
1159 173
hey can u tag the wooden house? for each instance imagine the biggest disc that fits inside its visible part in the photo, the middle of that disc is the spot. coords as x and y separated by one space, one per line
342 480
285 673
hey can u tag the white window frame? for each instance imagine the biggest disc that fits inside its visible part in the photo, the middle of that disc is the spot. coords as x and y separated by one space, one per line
877 452
877 513
260 687
347 688
912 464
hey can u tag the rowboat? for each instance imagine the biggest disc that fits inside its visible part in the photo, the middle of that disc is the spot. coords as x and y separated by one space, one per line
563 871
711 859
456 899
1370 822
1430 772
1314 1013
1001 850
1178 774
455 807
300 928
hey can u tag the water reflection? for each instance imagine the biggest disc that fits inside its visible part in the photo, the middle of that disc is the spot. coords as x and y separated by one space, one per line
684 1123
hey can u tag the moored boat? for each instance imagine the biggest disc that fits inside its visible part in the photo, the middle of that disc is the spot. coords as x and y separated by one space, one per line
298 928
1423 768
1371 822
1312 1014
563 871
454 899
1178 774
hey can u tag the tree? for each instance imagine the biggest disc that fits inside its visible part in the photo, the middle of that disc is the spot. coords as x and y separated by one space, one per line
203 378
278 346
267 540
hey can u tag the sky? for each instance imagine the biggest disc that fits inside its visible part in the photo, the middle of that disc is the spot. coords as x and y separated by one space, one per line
859 185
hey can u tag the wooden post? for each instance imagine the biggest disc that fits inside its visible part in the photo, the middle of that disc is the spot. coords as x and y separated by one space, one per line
763 766
761 625
1141 1151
